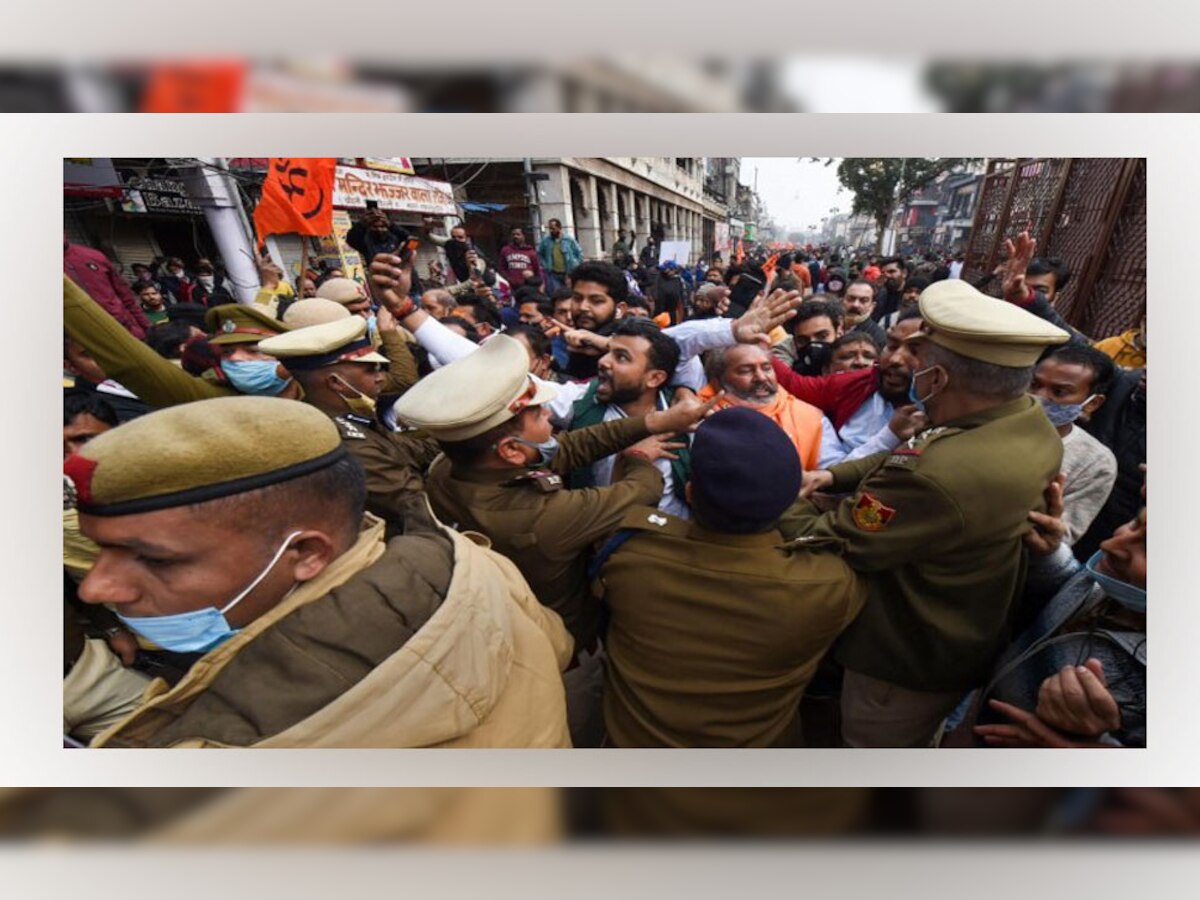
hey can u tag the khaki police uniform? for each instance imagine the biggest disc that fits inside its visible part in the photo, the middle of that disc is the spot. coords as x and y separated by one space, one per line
529 515
427 640
395 462
547 529
154 379
714 636
936 526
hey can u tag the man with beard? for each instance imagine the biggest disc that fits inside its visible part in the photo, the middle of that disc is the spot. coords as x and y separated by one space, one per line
868 409
889 294
631 381
518 261
746 376
859 304
600 294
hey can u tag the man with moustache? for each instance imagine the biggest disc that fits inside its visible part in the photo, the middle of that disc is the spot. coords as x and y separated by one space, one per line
890 293
869 409
745 374
859 304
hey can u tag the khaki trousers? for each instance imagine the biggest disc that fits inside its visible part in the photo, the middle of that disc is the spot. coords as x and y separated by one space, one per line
99 691
880 714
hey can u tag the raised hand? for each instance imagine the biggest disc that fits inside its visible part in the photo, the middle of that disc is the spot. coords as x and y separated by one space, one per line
655 447
907 421
1020 253
686 415
766 313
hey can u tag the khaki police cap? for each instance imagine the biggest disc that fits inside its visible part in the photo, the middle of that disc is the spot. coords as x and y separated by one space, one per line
972 324
476 393
314 311
343 340
201 451
342 290
235 323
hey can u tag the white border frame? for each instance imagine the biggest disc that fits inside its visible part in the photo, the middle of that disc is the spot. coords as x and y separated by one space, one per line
30 183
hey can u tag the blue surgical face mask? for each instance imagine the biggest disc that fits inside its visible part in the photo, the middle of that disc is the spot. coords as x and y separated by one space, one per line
259 377
1061 414
913 397
1132 598
372 324
547 449
200 630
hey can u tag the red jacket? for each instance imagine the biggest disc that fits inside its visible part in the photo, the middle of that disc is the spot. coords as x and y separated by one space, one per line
91 270
838 396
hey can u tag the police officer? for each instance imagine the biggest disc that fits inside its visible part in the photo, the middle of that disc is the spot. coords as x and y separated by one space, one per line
936 524
718 624
236 330
233 539
342 375
503 474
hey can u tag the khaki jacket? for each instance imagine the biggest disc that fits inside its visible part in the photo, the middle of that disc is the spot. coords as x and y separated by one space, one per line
466 658
714 637
546 529
936 526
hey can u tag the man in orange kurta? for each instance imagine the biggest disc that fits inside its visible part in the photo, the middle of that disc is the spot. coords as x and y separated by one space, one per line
746 375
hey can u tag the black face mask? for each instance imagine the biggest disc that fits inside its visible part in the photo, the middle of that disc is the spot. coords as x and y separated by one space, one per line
813 358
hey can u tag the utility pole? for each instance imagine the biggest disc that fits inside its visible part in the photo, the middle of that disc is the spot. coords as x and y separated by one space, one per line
531 189
213 189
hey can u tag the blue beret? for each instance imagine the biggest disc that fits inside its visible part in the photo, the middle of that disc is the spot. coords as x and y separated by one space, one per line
744 466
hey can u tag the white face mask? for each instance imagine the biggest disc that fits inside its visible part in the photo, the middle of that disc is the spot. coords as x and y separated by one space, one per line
207 280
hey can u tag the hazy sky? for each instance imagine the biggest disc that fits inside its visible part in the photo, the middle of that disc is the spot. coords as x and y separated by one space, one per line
797 194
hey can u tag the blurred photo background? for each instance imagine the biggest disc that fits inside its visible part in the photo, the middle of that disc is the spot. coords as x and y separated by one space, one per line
614 84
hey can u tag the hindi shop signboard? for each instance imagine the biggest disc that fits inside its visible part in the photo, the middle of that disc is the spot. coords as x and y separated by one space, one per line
353 187
158 195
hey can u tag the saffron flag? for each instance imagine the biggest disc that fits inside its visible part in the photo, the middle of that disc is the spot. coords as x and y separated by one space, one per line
297 197
195 87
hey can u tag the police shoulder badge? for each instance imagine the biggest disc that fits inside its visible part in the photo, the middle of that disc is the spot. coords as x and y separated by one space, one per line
870 514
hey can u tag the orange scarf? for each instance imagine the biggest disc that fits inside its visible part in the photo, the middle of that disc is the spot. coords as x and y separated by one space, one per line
799 421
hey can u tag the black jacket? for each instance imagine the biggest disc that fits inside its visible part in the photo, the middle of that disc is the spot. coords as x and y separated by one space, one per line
1120 424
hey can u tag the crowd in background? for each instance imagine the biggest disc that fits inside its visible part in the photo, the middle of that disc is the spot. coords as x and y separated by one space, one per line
729 502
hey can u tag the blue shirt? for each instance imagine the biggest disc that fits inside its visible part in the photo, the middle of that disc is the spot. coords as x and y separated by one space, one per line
865 432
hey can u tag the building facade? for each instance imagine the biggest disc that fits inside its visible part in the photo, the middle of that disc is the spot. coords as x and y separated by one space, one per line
674 198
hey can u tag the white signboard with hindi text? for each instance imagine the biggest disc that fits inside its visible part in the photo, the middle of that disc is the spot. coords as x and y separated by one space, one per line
353 187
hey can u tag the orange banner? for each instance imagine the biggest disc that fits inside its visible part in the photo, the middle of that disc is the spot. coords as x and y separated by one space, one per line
297 197
195 87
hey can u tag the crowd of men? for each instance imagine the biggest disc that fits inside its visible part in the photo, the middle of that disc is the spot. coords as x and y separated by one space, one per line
812 498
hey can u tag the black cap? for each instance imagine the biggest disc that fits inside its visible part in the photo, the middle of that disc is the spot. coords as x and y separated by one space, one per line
745 470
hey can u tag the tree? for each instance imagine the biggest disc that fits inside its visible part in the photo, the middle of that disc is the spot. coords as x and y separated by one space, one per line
878 182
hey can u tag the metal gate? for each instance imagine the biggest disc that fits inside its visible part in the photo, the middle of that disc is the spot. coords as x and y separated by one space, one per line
1089 212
